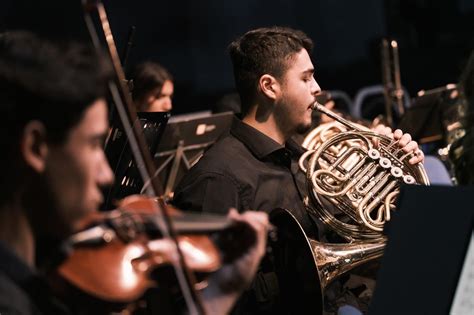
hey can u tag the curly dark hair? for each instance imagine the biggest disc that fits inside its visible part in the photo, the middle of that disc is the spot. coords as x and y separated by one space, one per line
264 51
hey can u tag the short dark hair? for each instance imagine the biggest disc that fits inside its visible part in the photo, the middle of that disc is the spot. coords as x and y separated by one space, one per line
264 51
147 76
47 82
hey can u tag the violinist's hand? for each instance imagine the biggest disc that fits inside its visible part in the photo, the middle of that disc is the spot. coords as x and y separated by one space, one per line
226 285
404 141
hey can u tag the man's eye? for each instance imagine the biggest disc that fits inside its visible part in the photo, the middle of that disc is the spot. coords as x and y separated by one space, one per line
97 143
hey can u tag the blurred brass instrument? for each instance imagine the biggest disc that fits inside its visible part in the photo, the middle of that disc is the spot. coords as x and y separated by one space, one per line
347 173
393 91
452 113
437 120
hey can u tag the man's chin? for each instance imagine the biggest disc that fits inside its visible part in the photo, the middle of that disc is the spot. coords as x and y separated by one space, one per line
303 128
85 217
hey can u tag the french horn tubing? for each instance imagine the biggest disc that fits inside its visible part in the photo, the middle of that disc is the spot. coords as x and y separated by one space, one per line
350 173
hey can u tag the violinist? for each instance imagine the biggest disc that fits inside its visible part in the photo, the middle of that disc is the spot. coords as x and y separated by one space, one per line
52 101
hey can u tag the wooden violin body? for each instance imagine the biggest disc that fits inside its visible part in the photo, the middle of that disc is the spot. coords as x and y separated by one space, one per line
115 259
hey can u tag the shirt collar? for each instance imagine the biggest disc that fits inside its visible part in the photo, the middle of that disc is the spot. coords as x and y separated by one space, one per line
258 143
295 148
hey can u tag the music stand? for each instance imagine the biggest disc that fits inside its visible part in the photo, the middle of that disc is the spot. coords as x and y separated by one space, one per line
117 149
183 143
425 117
427 242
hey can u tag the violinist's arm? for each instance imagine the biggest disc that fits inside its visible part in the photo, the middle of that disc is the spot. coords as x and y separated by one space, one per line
226 285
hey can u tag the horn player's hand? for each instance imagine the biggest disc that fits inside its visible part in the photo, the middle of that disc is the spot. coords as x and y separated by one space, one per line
404 141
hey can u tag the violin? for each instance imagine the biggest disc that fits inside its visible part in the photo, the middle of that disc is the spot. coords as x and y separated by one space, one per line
117 257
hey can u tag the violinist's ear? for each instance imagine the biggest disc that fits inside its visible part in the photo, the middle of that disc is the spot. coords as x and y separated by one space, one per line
34 148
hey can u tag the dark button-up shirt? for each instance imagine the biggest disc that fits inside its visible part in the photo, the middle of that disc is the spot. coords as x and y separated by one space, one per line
246 170
22 291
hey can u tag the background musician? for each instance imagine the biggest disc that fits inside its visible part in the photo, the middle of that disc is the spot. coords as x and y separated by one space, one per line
52 100
153 88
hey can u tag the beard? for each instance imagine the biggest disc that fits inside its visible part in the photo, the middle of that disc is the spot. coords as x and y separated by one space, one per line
48 230
288 120
43 210
301 129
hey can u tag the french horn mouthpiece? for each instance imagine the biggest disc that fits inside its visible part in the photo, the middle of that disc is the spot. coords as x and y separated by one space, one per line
316 105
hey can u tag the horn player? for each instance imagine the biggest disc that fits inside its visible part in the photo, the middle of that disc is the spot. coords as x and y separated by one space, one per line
255 165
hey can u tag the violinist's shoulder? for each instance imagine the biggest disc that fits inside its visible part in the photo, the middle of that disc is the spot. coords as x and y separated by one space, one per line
13 299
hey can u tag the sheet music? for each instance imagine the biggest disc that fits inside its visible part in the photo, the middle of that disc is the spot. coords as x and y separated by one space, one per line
463 303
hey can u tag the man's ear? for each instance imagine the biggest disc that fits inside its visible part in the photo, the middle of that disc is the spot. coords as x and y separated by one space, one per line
34 147
269 86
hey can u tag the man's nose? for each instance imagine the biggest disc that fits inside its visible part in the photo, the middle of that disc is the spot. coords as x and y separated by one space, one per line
169 103
105 175
316 89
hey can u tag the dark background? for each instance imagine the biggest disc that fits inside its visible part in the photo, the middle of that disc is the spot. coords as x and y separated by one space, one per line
190 37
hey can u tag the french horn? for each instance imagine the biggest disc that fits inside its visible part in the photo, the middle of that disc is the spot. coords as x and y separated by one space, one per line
357 172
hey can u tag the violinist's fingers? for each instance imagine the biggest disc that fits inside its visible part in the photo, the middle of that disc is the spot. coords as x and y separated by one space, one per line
237 275
249 216
165 250
418 158
256 216
259 222
233 213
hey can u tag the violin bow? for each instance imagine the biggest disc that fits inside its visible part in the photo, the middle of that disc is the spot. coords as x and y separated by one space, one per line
142 156
128 47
